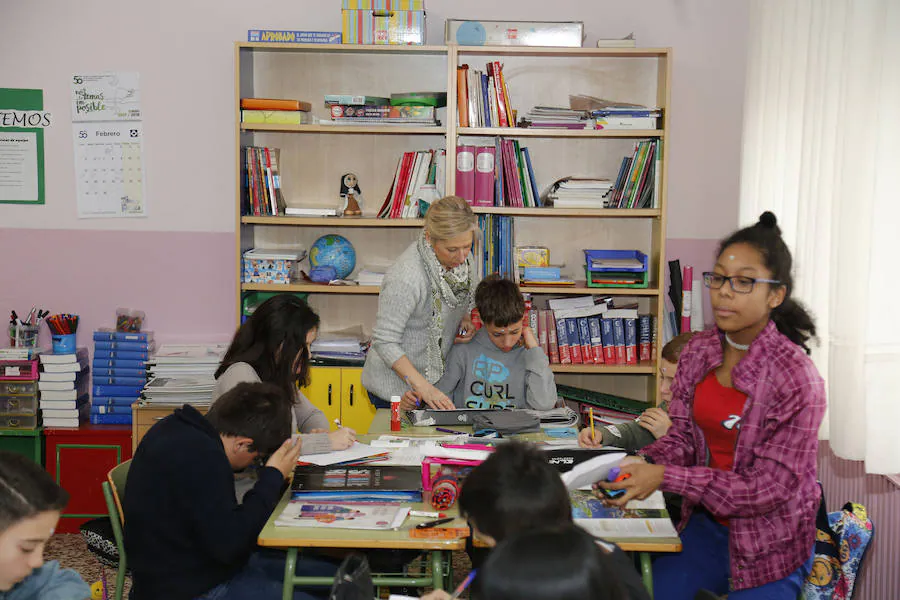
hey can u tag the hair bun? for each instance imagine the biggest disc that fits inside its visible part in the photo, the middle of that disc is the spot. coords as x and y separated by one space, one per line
767 220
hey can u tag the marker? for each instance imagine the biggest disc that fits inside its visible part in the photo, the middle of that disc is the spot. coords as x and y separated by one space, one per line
428 514
453 431
413 390
435 523
462 586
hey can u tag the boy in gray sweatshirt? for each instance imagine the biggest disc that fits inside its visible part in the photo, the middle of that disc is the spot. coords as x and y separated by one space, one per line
503 366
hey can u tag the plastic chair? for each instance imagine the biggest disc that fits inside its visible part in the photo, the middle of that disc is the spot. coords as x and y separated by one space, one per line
113 492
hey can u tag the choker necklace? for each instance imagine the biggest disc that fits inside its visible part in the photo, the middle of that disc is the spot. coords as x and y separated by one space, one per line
735 345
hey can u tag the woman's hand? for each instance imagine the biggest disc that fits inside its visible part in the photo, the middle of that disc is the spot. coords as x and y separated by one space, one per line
342 439
645 479
410 400
466 331
656 421
586 440
436 399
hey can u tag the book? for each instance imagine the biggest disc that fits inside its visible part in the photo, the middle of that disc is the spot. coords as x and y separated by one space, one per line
287 117
290 36
104 334
638 519
103 409
136 355
484 176
301 513
52 358
298 211
69 422
70 394
69 376
356 100
631 352
113 401
50 386
117 390
350 482
72 404
119 372
645 338
274 104
465 173
345 111
125 346
119 380
110 419
117 363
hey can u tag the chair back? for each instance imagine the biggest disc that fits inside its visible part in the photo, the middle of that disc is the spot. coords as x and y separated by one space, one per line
116 478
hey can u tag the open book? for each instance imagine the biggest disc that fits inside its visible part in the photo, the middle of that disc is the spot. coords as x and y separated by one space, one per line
639 519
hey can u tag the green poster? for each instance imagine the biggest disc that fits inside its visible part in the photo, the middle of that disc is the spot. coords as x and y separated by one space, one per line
22 122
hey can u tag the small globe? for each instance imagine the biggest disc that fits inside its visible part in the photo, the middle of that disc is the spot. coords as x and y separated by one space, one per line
333 251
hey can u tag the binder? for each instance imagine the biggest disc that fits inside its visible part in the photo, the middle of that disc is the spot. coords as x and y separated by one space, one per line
484 176
465 173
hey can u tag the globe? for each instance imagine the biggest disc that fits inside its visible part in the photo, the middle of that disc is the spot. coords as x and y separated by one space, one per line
336 251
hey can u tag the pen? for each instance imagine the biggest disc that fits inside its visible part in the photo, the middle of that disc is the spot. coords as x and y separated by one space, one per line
462 586
453 431
338 423
435 523
412 389
591 415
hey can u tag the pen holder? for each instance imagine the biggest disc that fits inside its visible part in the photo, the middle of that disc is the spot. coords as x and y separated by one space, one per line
23 336
63 343
441 486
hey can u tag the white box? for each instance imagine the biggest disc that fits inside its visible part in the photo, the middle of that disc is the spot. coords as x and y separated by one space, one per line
514 33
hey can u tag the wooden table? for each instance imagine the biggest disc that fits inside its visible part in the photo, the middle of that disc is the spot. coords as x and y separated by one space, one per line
294 538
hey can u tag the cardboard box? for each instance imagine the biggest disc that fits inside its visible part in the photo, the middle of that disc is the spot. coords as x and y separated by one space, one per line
514 33
383 22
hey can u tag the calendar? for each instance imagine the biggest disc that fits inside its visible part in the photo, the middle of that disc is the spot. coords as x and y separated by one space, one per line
109 169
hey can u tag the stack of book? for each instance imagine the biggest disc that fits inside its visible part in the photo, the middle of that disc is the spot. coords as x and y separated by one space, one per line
348 114
183 374
580 331
270 110
261 189
120 373
495 248
625 117
483 97
607 409
418 179
554 117
498 175
637 184
573 192
329 349
64 389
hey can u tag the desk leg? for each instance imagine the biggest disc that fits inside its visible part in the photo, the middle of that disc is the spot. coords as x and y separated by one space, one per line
647 573
290 563
437 569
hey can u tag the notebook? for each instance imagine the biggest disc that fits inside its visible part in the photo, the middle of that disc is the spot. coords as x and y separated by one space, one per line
358 484
458 416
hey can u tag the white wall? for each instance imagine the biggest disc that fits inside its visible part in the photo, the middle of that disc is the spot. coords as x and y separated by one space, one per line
183 52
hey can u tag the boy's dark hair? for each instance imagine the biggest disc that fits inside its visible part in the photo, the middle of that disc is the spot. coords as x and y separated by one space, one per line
672 350
513 490
26 490
790 317
271 339
564 563
259 411
499 301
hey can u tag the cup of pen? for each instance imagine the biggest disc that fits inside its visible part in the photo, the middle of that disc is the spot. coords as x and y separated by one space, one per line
23 336
62 333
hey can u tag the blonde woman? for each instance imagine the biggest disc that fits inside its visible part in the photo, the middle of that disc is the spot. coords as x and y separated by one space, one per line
424 306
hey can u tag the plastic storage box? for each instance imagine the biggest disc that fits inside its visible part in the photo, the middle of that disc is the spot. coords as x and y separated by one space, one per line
641 272
270 266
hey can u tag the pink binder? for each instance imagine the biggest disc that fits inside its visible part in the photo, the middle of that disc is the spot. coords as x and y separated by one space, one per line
484 176
465 173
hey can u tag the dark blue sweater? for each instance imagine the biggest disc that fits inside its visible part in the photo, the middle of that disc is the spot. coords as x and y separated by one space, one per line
185 532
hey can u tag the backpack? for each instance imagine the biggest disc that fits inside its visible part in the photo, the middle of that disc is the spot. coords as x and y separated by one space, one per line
841 541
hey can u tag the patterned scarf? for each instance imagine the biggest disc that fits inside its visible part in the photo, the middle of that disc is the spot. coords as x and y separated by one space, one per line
452 288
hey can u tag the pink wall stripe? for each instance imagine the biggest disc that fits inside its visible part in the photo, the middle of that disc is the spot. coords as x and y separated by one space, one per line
846 481
184 281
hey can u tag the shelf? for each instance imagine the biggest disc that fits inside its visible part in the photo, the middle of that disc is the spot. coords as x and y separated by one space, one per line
580 289
604 213
352 129
348 48
559 133
333 221
606 369
564 51
311 288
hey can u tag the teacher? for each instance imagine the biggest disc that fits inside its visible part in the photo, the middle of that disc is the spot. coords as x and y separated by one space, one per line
424 305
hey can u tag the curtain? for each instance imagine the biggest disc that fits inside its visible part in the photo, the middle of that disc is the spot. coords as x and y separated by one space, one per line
821 149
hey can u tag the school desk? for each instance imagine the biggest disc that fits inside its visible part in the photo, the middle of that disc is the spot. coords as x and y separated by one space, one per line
292 539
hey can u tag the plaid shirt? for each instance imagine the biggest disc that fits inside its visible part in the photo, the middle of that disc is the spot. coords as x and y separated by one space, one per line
770 497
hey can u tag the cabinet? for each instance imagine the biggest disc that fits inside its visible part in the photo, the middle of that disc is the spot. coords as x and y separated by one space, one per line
78 460
145 416
28 442
339 393
314 156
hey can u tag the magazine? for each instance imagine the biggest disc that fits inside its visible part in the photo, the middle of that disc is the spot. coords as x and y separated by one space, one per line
300 513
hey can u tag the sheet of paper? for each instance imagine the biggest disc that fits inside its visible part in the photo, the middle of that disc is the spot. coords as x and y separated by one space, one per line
591 471
300 513
106 97
612 529
18 166
109 169
355 452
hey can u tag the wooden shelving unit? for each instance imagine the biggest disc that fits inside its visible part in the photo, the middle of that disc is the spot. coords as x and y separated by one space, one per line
313 157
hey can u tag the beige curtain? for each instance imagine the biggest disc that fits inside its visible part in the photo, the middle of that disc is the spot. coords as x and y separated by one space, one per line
821 149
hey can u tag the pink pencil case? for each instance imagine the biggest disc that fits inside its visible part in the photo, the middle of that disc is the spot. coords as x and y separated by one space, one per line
18 370
428 477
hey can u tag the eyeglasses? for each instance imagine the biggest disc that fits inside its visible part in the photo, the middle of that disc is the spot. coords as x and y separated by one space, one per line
741 285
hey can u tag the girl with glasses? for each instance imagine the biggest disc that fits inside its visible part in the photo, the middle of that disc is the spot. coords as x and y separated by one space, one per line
746 407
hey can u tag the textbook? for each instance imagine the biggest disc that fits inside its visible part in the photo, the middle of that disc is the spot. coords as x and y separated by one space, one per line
638 519
292 36
51 358
108 335
366 483
301 513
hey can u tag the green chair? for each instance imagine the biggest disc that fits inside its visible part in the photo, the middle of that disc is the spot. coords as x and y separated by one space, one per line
113 492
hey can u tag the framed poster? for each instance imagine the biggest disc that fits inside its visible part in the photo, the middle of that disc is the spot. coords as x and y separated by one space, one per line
22 122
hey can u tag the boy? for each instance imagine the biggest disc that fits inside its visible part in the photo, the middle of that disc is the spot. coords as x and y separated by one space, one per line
503 366
653 422
185 533
517 490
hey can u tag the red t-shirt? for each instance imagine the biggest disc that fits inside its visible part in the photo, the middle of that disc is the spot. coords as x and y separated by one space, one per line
718 410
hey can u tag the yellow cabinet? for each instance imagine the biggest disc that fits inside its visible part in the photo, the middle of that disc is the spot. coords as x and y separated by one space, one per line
338 392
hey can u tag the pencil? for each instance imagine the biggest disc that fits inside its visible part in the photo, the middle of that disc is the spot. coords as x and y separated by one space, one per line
591 417
462 586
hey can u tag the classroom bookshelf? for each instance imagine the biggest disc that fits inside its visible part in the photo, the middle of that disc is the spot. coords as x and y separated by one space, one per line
313 158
